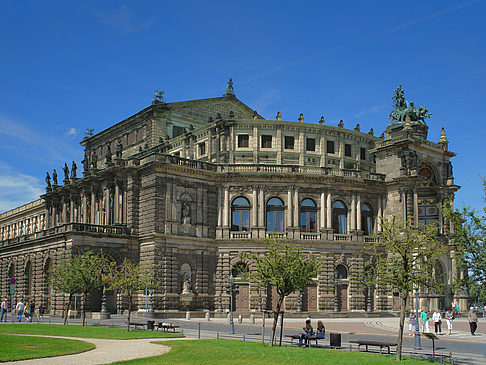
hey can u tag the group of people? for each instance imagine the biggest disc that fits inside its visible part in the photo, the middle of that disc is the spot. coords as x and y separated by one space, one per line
308 332
22 309
449 317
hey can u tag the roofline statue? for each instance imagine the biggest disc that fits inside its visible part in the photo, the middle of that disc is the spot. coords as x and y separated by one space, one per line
403 110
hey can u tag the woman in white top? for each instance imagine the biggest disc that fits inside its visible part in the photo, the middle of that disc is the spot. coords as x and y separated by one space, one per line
437 321
449 318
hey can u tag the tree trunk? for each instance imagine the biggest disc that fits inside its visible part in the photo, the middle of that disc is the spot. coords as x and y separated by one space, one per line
281 329
275 319
68 306
403 307
84 308
129 309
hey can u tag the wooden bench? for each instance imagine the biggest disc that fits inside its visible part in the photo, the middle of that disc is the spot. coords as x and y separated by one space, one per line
309 339
166 326
374 343
138 324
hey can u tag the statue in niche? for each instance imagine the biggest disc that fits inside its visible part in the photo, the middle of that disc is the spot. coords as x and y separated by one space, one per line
119 149
54 177
74 167
48 180
186 284
65 169
85 162
186 212
108 153
94 160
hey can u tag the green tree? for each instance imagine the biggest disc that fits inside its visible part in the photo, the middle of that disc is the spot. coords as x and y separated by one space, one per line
469 228
285 266
65 278
405 257
79 274
129 279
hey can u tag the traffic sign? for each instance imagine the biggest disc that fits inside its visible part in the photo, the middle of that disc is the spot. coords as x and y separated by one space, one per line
12 288
12 281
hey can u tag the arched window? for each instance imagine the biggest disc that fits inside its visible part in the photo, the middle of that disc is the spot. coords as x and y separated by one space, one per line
339 217
28 280
275 215
367 219
240 214
308 213
341 272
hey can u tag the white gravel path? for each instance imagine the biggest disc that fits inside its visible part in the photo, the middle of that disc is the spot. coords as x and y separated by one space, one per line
106 351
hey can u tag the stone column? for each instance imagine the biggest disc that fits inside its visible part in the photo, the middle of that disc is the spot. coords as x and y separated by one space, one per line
322 223
84 205
191 147
107 205
379 227
256 145
226 207
358 212
254 215
93 208
71 210
210 144
220 204
296 207
301 149
218 144
261 209
116 204
329 211
289 208
322 145
353 212
279 146
183 152
415 208
231 144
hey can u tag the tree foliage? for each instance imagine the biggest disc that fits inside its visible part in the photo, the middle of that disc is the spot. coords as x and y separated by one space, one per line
128 278
405 258
284 266
470 243
79 274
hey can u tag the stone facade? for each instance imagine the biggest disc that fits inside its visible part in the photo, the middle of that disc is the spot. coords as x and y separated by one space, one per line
186 187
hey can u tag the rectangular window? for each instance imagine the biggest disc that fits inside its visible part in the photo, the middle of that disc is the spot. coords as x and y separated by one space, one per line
289 142
362 153
347 150
202 148
330 147
266 141
243 141
310 144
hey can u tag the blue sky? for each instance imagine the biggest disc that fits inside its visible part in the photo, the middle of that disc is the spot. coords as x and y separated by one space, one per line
71 65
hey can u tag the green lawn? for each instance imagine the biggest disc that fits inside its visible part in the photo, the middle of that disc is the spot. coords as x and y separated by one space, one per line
237 352
80 331
28 347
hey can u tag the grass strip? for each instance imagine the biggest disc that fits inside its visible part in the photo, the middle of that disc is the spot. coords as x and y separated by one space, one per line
80 331
237 352
28 347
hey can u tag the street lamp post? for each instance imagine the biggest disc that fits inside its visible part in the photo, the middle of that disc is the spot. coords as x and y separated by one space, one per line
417 345
336 303
232 289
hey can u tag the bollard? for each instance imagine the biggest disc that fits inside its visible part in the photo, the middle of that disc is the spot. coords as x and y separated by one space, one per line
217 335
188 315
252 318
208 316
244 338
350 348
182 331
240 318
279 320
198 330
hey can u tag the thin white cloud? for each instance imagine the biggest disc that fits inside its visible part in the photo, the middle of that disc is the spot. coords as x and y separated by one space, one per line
266 100
123 20
17 188
371 110
71 132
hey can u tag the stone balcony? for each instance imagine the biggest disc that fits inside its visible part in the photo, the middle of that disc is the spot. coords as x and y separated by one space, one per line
74 228
297 235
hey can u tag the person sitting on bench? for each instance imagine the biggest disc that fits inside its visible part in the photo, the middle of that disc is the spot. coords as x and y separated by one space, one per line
308 331
321 330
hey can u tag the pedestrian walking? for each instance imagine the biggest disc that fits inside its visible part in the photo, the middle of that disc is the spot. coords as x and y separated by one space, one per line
449 316
27 313
412 323
437 317
19 308
32 310
473 321
424 318
40 313
4 310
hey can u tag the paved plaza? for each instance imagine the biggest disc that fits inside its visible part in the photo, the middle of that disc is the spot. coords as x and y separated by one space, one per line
465 349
